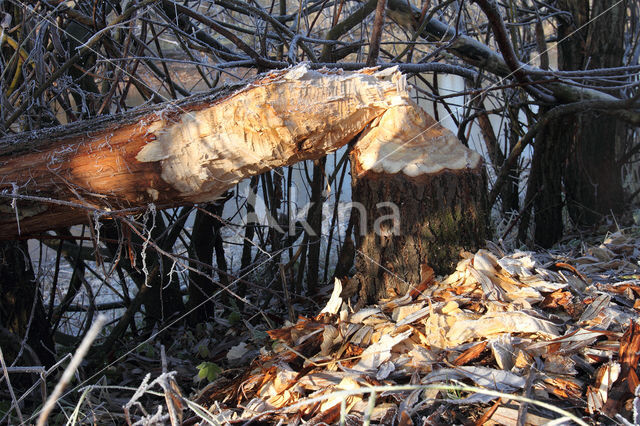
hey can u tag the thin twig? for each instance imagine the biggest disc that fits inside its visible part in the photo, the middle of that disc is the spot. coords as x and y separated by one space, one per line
79 355
14 402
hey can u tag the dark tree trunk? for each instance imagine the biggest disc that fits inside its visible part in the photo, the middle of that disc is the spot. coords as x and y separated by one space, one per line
545 189
201 284
575 155
162 297
204 239
21 308
440 215
420 197
315 221
593 178
545 186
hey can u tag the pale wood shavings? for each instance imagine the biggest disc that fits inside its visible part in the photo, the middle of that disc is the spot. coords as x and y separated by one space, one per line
508 416
495 323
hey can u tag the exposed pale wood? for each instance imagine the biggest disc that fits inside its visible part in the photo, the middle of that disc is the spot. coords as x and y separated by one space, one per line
187 152
405 139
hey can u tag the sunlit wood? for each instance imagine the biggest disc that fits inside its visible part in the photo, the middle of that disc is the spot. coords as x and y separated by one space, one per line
186 152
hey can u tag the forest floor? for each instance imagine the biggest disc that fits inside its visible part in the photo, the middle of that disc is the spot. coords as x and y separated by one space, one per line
510 337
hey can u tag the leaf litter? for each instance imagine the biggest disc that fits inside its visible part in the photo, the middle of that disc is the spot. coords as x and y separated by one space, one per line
530 332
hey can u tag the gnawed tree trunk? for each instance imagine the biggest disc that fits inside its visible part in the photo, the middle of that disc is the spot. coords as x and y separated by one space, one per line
190 151
195 150
423 199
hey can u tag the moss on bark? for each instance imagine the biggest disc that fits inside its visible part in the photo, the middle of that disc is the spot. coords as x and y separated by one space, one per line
439 214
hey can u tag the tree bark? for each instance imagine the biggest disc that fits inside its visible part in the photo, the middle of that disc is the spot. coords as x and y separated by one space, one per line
575 154
420 198
314 218
187 152
593 176
545 185
205 238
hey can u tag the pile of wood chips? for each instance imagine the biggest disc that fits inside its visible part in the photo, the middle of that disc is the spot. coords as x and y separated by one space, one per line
534 327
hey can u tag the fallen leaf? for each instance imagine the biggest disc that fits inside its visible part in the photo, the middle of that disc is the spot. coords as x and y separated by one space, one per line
470 354
492 324
379 352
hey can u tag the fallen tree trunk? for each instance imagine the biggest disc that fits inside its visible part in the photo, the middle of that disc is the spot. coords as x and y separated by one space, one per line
184 152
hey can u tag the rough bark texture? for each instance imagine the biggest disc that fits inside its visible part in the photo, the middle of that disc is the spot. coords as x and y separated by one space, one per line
187 152
545 188
441 214
574 162
407 162
593 176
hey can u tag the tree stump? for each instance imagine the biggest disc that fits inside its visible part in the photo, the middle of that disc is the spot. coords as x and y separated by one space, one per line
421 198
